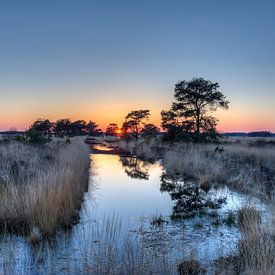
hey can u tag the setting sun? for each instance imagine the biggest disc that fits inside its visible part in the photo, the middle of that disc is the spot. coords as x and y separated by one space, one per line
119 131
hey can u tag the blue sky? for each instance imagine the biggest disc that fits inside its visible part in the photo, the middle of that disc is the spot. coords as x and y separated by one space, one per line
100 59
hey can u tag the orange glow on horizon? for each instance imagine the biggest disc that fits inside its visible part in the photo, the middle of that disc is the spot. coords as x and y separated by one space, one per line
236 119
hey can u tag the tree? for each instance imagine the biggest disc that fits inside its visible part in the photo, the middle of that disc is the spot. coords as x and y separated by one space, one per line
135 121
92 129
189 114
149 131
78 127
62 127
44 126
112 129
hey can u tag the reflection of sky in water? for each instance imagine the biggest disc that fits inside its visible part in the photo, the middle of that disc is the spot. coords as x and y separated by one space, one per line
132 202
115 192
135 201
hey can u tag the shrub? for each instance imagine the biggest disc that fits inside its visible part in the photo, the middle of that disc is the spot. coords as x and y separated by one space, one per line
35 137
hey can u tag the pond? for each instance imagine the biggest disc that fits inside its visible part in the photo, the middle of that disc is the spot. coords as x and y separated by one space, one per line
131 206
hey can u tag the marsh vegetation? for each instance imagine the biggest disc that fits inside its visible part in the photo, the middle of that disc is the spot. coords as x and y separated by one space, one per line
163 209
41 186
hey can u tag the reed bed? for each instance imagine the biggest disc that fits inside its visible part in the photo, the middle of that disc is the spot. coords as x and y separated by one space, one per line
41 187
248 169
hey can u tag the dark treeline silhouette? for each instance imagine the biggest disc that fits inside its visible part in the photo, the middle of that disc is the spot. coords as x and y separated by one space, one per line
250 134
65 127
260 134
189 116
112 129
135 126
189 119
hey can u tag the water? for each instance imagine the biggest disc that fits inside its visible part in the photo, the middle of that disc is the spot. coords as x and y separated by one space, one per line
136 200
123 197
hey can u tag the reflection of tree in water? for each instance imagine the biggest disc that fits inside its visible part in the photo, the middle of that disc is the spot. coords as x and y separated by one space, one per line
188 195
135 168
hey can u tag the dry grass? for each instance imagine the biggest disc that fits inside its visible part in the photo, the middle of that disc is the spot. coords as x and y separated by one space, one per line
256 249
248 169
42 187
147 150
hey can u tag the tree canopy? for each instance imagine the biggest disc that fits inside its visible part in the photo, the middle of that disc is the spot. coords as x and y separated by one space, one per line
65 127
189 114
149 131
135 121
111 129
42 125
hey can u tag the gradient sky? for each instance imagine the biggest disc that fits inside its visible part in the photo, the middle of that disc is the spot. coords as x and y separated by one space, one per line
100 59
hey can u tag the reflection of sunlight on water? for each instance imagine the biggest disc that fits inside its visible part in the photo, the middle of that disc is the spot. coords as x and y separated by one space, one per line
101 147
124 195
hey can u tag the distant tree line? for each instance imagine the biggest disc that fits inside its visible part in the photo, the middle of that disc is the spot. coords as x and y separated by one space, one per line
250 134
65 127
260 134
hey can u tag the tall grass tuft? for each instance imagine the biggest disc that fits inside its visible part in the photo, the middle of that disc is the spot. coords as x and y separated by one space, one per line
41 187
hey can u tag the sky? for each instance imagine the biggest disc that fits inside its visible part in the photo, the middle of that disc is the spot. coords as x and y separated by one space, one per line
99 60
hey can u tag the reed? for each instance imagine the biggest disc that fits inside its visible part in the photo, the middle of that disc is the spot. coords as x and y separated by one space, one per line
42 187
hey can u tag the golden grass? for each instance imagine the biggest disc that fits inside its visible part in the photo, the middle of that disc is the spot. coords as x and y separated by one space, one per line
247 169
42 187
